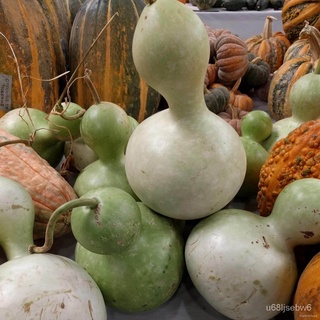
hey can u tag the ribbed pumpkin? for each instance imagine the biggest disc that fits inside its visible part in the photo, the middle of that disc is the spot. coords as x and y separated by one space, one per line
110 60
31 28
289 72
298 48
294 157
46 186
307 294
269 46
294 14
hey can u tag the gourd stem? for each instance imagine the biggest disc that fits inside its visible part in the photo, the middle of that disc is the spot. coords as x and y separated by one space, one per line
267 29
8 142
49 235
92 88
82 60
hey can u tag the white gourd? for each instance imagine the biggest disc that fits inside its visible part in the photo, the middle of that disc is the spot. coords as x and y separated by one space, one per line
183 162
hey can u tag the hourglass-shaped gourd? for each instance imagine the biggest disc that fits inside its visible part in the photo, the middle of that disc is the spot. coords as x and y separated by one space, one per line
243 264
183 162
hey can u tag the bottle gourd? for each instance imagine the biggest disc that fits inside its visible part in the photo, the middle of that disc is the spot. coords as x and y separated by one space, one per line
183 162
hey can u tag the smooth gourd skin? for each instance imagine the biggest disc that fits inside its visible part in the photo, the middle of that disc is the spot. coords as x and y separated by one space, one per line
183 162
105 128
22 122
112 227
241 262
39 286
47 286
147 274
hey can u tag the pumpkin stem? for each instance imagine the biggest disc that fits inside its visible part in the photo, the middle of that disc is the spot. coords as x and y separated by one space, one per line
82 60
91 86
267 29
312 34
49 235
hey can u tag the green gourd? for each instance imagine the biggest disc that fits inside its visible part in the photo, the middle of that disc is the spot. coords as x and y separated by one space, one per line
204 4
234 5
243 264
184 162
105 128
304 98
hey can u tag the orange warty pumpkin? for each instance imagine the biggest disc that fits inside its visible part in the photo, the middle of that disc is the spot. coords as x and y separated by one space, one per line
294 157
110 61
269 46
38 32
296 12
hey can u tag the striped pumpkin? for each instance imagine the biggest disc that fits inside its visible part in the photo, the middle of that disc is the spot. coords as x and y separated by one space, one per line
290 72
294 14
30 27
110 60
270 47
298 48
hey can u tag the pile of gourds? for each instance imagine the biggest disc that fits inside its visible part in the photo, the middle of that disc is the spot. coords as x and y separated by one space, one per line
155 167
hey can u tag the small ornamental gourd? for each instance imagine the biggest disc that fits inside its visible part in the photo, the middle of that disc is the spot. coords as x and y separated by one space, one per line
289 72
271 47
176 158
294 157
110 60
294 14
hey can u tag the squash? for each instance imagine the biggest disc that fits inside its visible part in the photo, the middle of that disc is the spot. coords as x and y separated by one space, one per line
262 4
294 14
193 186
204 4
231 55
110 60
290 72
307 294
276 4
271 47
294 157
233 5
39 44
304 103
217 99
233 116
257 74
46 186
297 49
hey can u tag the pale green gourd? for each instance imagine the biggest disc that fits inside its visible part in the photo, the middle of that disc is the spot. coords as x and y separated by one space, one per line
183 162
243 264
39 286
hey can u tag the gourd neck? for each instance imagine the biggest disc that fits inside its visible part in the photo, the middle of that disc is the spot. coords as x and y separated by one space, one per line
14 249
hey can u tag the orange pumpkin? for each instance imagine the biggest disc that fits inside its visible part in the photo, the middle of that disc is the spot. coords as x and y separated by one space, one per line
307 294
110 61
269 46
294 157
289 72
294 14
38 32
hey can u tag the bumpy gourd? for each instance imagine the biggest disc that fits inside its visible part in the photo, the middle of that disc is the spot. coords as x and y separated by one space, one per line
243 263
293 157
184 162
